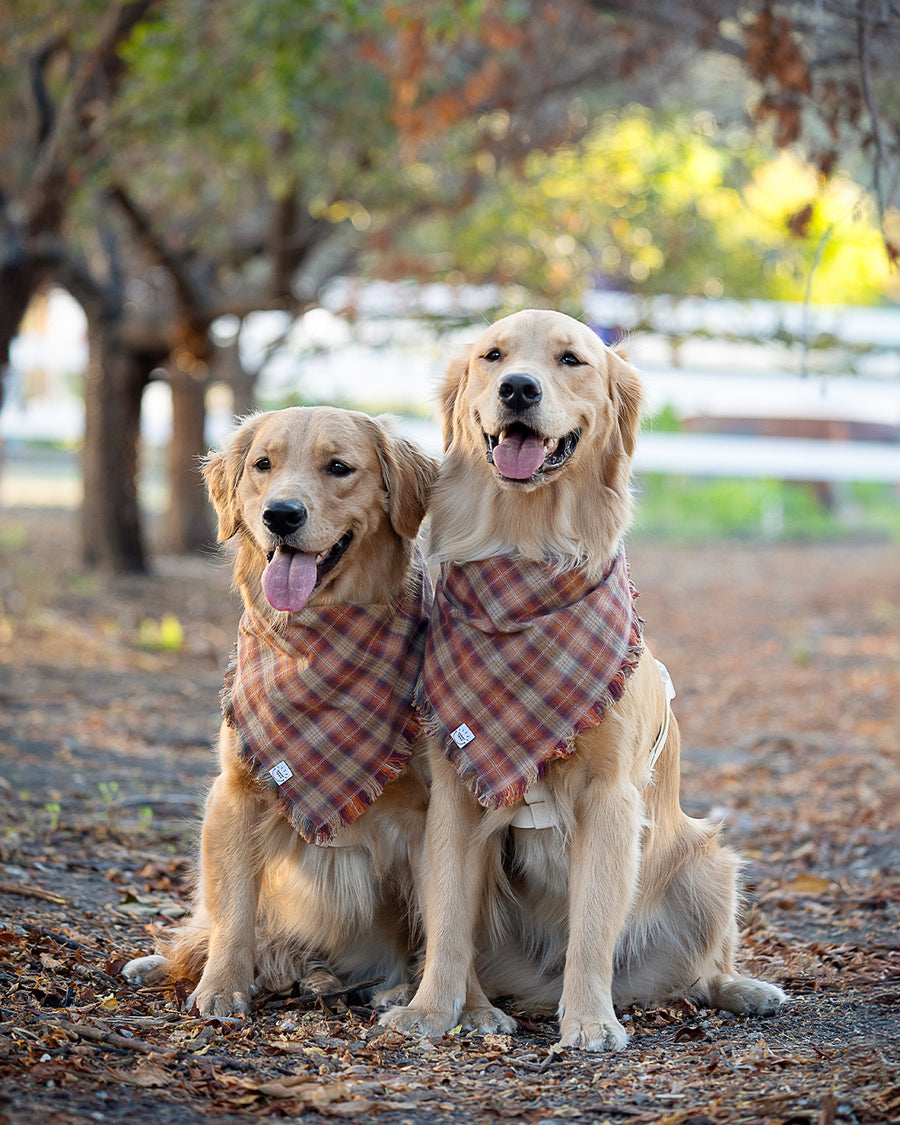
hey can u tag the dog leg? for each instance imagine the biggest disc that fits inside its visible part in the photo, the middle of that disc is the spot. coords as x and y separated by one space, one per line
745 996
229 891
452 885
389 998
479 1014
686 944
602 885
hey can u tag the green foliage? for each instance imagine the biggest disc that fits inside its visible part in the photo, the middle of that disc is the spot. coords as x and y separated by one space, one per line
53 810
696 509
165 635
670 204
12 537
244 103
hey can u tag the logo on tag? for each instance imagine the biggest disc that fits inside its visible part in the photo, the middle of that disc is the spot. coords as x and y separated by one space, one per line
462 736
281 772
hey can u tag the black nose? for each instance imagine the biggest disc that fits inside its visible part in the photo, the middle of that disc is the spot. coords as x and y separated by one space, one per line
284 517
519 392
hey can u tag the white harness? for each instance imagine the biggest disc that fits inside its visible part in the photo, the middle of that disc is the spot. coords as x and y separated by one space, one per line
536 811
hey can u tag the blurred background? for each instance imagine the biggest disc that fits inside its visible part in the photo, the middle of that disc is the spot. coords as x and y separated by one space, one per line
212 208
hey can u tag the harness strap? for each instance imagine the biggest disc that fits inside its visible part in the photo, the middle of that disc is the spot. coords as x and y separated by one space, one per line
535 811
664 732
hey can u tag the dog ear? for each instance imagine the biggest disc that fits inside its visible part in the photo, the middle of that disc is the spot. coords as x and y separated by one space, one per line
408 473
222 471
628 398
448 392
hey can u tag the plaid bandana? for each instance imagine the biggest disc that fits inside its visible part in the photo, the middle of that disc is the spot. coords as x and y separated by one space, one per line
519 660
326 704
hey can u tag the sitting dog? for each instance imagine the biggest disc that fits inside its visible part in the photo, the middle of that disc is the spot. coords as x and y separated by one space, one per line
313 828
559 867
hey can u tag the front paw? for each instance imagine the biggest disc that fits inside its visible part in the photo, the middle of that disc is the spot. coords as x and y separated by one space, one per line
212 1000
431 1023
593 1035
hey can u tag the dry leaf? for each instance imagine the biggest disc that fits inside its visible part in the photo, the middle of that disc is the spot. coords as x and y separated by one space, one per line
146 1076
806 884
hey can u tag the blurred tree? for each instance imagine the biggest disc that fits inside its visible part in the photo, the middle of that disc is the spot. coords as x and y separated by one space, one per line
819 76
49 143
660 203
221 159
825 73
169 163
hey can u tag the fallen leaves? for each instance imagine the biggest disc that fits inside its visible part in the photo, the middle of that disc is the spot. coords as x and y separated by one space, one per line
804 883
802 760
147 1076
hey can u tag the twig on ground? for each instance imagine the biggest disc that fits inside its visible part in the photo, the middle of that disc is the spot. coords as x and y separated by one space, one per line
313 997
99 1035
140 1046
180 800
30 891
60 939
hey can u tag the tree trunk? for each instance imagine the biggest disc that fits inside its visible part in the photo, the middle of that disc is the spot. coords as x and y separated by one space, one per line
112 538
18 283
188 524
228 370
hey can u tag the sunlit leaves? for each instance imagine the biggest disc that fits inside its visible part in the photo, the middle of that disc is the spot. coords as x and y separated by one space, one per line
665 205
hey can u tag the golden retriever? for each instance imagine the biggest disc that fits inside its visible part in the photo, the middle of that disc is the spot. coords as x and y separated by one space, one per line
326 505
619 898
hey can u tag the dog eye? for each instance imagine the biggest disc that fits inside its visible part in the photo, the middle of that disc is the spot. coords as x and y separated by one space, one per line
263 464
493 355
570 359
339 469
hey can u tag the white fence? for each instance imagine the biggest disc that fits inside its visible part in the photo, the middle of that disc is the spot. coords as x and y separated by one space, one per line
705 360
384 346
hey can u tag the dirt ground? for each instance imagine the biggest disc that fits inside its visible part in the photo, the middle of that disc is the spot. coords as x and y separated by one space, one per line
787 663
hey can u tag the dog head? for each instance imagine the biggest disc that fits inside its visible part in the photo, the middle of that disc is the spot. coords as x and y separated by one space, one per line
540 407
325 501
532 389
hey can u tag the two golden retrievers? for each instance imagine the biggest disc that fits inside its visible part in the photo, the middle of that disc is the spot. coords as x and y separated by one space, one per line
555 864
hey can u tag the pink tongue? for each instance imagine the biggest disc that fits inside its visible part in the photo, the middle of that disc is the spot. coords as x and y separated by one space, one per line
519 456
289 579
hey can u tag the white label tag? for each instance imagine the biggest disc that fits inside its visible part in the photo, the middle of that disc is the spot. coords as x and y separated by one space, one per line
281 772
462 736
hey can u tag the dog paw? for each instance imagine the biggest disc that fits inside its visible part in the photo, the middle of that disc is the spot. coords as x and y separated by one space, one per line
487 1020
225 1002
398 996
593 1035
748 997
146 970
430 1023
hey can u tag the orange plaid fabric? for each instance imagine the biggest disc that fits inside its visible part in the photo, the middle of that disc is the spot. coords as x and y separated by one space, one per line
519 660
325 706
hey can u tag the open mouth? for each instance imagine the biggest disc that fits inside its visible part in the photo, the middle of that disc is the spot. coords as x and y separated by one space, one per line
292 575
325 560
520 454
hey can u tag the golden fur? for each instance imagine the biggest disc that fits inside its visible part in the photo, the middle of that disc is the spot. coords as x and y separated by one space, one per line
269 906
629 900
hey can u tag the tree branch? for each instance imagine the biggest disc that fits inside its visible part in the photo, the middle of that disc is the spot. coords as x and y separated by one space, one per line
65 138
46 111
883 161
189 298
